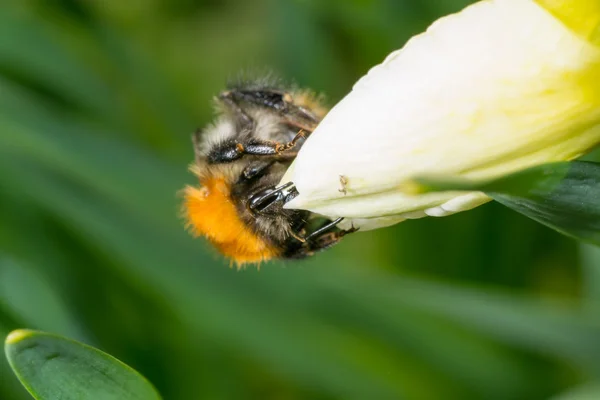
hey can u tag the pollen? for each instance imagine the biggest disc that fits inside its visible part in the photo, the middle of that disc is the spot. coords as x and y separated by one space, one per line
211 213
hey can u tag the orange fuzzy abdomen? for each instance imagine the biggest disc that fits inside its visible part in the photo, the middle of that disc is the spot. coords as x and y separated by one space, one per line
211 213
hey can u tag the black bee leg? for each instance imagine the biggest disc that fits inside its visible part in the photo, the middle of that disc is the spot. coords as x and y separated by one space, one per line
327 240
275 100
317 243
256 169
256 147
231 101
233 149
324 228
320 232
269 197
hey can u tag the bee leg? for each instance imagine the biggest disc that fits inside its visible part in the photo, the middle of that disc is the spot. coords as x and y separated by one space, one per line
276 100
232 103
281 147
256 169
308 129
327 240
274 148
232 150
320 232
321 242
295 117
327 226
281 194
271 99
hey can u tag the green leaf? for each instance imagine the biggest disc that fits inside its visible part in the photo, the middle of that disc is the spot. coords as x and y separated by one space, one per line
590 282
52 367
590 391
564 196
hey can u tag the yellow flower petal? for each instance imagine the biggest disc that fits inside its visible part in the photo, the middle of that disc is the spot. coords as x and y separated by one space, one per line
582 16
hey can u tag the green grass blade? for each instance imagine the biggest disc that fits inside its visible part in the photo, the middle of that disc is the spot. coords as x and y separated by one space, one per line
52 367
590 260
563 196
590 391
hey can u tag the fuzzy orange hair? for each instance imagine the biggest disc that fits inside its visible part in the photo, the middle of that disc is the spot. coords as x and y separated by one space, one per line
211 213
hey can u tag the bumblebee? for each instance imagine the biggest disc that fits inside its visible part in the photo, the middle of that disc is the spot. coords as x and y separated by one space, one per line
239 160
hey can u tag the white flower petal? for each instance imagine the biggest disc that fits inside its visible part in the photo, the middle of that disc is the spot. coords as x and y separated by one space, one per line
501 86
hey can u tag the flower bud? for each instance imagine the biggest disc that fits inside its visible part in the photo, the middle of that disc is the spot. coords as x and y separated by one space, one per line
501 86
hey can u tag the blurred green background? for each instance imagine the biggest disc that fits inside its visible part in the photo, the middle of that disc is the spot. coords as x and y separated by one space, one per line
97 102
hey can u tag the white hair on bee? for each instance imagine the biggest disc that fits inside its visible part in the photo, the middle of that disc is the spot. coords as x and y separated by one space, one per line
222 129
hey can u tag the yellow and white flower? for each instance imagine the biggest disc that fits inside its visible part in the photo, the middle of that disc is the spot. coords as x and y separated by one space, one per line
499 87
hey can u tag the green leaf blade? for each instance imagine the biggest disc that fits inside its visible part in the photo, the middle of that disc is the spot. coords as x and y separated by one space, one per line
53 367
589 391
564 196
